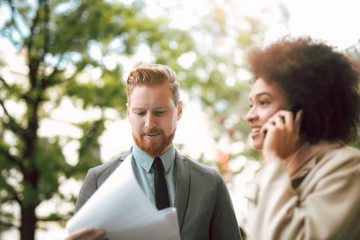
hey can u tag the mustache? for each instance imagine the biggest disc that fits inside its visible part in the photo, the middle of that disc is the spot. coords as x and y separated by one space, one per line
151 131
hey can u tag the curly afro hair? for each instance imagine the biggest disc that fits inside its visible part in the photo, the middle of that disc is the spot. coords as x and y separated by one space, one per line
323 81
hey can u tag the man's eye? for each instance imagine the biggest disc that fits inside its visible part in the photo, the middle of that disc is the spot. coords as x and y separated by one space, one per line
159 113
140 113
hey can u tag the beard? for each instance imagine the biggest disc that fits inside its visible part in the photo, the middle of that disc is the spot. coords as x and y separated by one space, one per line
154 149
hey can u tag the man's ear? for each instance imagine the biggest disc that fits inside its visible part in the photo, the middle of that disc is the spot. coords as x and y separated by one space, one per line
179 110
127 108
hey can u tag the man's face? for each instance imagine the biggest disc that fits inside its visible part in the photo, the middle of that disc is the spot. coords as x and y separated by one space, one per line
153 117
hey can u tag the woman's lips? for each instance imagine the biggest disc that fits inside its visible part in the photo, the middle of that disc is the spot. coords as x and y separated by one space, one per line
255 131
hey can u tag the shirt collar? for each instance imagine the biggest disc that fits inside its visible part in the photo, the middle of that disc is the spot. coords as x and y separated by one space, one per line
145 160
306 152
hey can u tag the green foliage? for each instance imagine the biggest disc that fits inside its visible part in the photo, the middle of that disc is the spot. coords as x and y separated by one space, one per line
51 163
59 39
356 144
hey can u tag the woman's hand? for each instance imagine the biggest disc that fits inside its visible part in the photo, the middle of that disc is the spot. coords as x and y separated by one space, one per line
87 234
282 135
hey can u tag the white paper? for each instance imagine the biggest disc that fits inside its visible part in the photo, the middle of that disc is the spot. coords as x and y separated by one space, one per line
121 208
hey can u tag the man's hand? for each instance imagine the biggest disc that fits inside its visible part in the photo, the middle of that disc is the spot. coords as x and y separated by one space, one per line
87 234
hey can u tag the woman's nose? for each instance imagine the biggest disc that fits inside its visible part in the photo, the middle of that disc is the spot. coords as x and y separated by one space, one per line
251 115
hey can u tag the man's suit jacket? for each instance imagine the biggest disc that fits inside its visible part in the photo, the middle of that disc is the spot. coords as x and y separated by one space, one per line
202 199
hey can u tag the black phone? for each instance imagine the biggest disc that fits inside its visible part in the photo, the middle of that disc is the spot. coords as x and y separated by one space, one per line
294 108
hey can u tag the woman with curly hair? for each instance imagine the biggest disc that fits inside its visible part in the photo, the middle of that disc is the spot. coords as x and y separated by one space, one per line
309 186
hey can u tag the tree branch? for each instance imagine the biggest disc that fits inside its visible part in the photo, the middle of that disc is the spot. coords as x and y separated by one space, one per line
11 157
32 27
4 82
12 122
46 28
13 18
10 189
5 225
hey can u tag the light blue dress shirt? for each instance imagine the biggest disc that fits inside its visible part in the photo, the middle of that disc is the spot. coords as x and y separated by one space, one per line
145 173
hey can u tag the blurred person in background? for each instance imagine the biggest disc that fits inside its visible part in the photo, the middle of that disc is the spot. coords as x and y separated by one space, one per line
198 192
304 110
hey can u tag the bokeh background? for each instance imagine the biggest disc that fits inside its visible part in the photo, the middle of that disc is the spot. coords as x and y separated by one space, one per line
63 66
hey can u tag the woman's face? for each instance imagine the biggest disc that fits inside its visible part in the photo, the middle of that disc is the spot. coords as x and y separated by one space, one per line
265 100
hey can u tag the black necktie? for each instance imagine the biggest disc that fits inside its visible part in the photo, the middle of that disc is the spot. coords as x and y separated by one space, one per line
161 192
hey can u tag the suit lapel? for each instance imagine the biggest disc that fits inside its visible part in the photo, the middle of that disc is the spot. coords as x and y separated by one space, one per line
182 187
124 156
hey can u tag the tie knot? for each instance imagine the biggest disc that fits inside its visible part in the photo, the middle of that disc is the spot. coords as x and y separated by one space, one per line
158 166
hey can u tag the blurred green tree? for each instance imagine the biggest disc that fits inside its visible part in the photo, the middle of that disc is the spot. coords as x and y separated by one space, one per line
72 50
218 77
59 39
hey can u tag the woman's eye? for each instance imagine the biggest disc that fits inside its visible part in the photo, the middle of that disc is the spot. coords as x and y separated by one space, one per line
264 103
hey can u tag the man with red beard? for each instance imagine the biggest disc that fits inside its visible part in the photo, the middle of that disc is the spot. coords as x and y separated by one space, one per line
198 192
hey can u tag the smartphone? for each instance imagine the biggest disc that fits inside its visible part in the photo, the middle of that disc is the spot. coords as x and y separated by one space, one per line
294 108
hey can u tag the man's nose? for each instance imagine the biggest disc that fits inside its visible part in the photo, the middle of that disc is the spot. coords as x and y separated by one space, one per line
150 121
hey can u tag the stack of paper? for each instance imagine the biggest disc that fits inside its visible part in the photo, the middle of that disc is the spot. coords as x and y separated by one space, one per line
121 208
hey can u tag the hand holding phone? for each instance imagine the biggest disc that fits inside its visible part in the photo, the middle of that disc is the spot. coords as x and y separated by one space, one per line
294 108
